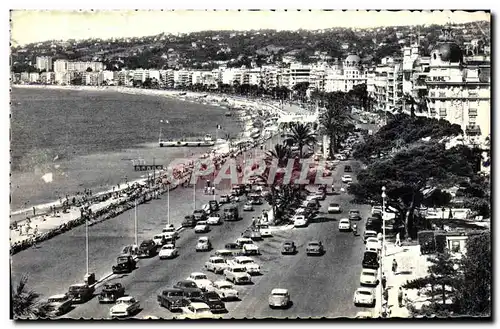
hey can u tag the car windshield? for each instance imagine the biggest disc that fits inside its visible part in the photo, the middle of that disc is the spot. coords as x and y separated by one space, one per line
200 277
288 244
218 261
168 247
124 301
279 294
354 212
313 244
198 211
334 204
145 243
188 284
238 270
57 300
203 240
366 293
158 237
175 294
225 286
369 273
246 261
344 221
264 226
202 310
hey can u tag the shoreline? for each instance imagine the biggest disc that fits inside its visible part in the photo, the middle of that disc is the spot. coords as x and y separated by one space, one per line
240 104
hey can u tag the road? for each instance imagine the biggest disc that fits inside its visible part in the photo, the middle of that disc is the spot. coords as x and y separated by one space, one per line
319 286
60 262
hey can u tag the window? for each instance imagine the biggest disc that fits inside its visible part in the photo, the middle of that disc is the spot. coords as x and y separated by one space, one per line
442 94
442 112
472 120
432 94
455 246
472 112
473 93
433 111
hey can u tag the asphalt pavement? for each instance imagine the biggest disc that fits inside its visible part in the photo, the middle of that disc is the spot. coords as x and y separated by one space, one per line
319 286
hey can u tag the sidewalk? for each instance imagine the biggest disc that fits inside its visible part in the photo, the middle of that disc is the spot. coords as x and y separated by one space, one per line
411 265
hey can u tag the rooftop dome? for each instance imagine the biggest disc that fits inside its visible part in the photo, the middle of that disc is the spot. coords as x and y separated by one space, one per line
353 58
449 52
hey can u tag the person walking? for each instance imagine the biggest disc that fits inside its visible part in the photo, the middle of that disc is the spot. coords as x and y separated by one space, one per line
400 297
394 266
384 281
398 240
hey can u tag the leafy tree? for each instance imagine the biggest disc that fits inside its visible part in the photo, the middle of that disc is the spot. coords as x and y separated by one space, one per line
407 174
301 135
474 291
301 89
336 121
442 275
25 303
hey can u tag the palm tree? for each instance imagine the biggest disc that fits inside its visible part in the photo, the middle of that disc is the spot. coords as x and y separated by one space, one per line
336 122
281 153
301 135
25 303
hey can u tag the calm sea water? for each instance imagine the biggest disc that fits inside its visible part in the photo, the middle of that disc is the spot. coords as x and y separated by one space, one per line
87 139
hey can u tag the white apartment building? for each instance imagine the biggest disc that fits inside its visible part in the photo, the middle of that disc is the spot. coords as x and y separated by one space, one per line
61 65
108 77
92 79
62 78
182 78
343 76
83 66
232 75
44 63
270 77
295 74
34 77
47 78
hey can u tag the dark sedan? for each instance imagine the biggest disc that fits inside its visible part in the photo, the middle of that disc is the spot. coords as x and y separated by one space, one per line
289 248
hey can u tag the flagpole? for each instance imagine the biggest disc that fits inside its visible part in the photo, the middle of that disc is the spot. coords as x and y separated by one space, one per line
135 221
87 243
168 203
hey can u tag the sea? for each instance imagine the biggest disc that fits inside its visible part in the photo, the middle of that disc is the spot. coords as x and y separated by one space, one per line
65 141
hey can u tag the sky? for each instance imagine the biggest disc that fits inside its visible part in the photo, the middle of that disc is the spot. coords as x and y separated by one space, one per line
29 26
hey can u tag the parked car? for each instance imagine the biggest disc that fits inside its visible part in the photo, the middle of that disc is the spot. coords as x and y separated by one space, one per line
201 227
169 230
320 195
196 310
311 204
231 214
279 298
368 277
334 208
370 260
344 224
315 248
124 307
214 219
172 299
203 244
237 274
58 305
124 264
111 292
199 215
216 264
250 250
80 293
354 214
288 248
265 231
168 251
226 290
159 239
242 241
201 281
369 234
213 300
188 222
248 207
226 254
364 297
147 248
130 250
190 290
300 221
232 246
375 242
250 265
347 169
346 179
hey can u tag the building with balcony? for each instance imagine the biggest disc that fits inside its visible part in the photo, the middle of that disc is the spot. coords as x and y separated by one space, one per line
343 76
182 78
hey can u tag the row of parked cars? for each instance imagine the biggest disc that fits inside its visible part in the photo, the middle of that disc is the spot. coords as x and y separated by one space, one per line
369 278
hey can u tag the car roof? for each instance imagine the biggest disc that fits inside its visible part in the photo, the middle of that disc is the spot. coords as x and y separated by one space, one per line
204 238
59 296
279 291
199 305
198 273
126 298
370 231
314 241
243 258
344 220
168 246
222 282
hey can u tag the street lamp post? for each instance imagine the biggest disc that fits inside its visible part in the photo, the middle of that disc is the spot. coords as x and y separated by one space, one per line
383 252
87 244
168 203
135 221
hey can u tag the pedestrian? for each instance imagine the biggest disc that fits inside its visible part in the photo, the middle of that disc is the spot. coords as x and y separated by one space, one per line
400 297
394 266
385 296
213 190
384 281
34 211
398 240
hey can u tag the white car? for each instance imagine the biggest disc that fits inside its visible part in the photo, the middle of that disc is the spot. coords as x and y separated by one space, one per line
237 274
248 207
203 244
226 290
58 304
334 208
197 311
243 241
201 227
201 281
279 298
125 306
265 230
300 221
168 251
250 249
364 296
250 265
374 241
206 208
346 179
170 229
214 219
159 239
216 264
344 224
368 277
376 209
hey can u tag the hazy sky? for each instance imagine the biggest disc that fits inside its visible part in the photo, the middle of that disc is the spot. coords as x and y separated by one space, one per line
34 26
